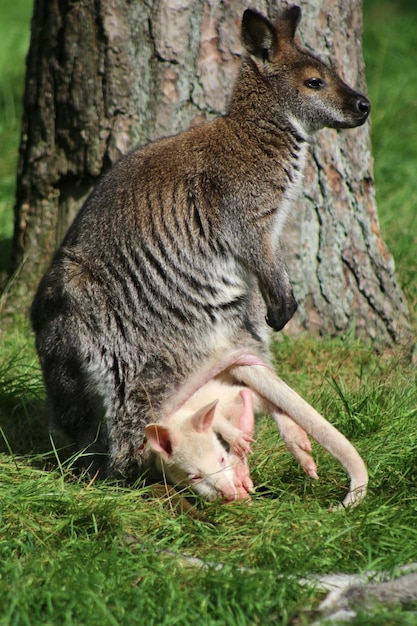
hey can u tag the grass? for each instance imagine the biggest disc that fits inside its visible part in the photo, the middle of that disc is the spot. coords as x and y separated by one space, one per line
75 553
391 35
14 20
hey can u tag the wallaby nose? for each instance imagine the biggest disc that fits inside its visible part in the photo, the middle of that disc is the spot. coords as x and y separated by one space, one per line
362 105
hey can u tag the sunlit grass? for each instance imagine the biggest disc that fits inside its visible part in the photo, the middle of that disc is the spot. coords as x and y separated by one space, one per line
63 540
390 38
76 553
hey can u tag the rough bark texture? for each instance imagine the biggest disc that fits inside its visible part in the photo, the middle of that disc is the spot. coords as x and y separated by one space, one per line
342 273
106 75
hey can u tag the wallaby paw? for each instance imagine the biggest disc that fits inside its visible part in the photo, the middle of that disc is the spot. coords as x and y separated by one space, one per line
279 314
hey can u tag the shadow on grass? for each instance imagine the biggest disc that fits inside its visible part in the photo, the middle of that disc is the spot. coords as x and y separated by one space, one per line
24 431
23 421
23 426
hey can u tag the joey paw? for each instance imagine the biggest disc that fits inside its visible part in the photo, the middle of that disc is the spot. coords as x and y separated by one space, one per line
305 460
241 445
298 443
242 480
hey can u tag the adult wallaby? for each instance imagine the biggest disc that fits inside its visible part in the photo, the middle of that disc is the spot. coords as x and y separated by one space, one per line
174 259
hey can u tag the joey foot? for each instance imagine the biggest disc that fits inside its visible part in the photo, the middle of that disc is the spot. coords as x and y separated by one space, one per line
240 446
241 478
242 481
297 442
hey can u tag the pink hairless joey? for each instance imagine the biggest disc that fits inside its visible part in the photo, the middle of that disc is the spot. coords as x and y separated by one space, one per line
221 400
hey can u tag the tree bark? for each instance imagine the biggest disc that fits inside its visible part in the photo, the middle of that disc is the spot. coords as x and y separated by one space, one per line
106 75
343 275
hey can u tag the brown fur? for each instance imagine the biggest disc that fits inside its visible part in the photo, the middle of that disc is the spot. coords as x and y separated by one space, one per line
174 259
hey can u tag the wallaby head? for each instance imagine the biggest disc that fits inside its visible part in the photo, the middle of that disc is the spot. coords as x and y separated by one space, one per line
191 454
292 83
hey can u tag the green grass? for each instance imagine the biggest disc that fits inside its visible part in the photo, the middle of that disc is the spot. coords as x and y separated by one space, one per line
14 41
391 37
78 554
74 553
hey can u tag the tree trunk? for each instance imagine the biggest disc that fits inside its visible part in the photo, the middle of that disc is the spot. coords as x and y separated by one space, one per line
106 75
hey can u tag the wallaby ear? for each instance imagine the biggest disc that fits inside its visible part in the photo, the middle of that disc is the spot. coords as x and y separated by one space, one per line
159 438
287 24
203 418
259 35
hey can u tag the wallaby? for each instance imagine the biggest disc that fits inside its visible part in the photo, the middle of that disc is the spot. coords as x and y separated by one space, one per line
189 451
174 258
182 448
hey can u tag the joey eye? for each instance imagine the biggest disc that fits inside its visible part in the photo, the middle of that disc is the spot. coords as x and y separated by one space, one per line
195 478
223 461
314 83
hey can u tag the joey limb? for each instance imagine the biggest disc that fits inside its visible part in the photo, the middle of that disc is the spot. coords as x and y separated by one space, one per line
174 260
192 455
189 451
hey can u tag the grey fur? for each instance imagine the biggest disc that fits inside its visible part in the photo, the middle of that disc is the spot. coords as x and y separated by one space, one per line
165 265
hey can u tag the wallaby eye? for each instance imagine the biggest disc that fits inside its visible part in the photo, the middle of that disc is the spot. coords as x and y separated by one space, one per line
222 461
314 83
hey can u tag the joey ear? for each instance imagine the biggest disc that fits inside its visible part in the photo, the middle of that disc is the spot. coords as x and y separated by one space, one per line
259 35
203 418
287 24
160 439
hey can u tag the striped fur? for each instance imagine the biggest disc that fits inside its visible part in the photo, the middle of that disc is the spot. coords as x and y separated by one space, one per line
174 258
